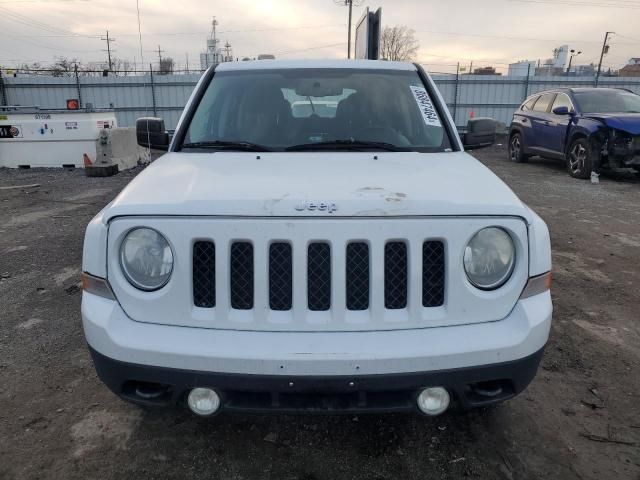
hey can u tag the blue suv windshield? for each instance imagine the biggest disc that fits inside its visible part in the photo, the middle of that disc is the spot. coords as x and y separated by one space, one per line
312 109
608 101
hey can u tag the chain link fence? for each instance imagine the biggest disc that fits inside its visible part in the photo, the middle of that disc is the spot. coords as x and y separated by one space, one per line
139 94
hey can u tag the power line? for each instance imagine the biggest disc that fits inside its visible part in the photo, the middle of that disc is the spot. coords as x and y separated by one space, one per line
47 47
579 4
244 30
31 22
319 47
625 36
482 35
15 2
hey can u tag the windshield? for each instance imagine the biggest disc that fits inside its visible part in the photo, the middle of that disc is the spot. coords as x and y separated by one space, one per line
608 101
328 108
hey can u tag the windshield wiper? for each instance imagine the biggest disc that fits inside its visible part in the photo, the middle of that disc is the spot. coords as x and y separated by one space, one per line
362 145
228 145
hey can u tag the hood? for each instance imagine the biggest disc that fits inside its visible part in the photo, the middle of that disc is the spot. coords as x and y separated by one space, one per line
627 122
288 184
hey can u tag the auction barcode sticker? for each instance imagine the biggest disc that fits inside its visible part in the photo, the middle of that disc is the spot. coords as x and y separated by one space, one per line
426 107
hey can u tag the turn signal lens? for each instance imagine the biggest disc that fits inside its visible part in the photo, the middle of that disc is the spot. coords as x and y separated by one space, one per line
537 285
97 286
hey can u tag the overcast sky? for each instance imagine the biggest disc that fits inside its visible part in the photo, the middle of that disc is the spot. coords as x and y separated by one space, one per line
494 32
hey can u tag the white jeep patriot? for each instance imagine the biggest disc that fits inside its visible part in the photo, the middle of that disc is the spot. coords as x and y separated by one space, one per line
316 239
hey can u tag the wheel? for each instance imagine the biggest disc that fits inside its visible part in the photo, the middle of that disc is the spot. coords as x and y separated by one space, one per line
516 150
580 159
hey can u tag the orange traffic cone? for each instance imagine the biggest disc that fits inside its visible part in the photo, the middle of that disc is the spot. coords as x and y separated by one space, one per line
87 160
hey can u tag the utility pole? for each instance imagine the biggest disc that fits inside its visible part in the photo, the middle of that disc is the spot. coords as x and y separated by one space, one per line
605 50
160 52
108 40
350 2
187 57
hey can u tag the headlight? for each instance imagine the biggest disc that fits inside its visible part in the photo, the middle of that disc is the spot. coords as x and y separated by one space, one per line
146 259
489 258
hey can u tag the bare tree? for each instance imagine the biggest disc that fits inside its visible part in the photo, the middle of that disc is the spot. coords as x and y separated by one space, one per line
64 67
398 43
30 69
119 66
166 65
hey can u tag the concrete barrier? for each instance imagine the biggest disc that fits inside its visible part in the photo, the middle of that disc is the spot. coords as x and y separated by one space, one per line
119 146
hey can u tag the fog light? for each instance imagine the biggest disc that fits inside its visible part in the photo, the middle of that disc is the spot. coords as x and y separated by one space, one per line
433 401
203 401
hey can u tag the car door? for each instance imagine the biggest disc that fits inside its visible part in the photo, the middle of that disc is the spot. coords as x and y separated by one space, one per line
559 124
522 121
540 121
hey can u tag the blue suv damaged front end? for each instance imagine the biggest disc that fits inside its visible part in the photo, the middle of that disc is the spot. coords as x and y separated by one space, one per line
590 129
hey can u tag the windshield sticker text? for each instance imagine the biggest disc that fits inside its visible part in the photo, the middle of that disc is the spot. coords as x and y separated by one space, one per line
426 107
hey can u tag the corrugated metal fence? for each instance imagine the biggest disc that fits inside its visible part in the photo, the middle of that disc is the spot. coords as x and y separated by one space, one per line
166 95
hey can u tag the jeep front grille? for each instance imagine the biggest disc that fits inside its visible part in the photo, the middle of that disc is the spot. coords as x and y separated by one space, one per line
432 274
357 275
280 277
241 276
204 274
319 277
395 275
325 274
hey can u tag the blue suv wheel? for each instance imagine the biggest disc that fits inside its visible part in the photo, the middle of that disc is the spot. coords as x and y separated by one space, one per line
516 149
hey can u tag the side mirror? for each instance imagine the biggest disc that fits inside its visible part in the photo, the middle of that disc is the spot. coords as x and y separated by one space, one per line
151 133
481 132
561 111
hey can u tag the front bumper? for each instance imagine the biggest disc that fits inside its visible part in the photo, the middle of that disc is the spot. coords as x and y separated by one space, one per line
345 371
469 387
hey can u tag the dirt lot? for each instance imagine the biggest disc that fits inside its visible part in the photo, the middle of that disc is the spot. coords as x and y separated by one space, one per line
580 419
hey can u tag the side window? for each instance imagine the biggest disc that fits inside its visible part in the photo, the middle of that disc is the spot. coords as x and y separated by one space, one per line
542 105
562 100
528 105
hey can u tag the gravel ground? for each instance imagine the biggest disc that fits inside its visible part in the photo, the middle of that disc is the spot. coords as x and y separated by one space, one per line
580 419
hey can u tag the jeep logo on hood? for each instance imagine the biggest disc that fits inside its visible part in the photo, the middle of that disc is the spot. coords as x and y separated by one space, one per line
316 207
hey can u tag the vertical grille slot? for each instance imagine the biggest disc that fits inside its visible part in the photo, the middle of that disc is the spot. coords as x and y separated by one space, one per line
319 277
204 274
395 275
357 276
280 276
433 275
241 276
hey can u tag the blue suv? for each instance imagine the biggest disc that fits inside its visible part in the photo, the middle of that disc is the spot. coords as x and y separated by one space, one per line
588 128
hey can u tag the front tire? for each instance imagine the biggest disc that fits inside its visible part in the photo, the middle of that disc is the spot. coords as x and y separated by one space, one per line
516 149
580 159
